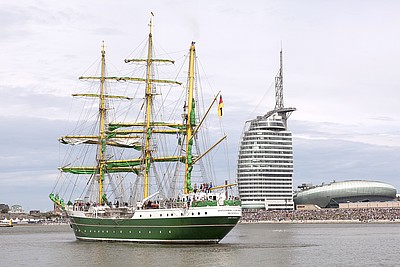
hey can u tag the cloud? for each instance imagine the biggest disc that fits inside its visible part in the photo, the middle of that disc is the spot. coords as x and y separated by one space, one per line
29 160
29 189
29 143
376 133
317 161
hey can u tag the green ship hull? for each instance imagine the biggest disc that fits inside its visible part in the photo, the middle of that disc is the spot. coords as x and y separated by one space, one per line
158 230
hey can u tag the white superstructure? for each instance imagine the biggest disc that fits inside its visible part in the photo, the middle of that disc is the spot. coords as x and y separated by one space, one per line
265 165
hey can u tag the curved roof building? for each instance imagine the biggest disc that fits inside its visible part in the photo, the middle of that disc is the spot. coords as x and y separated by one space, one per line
330 195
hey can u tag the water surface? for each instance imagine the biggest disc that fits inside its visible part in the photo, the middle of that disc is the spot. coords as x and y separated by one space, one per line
247 245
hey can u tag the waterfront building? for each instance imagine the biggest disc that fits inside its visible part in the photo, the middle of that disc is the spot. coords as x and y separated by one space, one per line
4 208
16 209
351 191
265 160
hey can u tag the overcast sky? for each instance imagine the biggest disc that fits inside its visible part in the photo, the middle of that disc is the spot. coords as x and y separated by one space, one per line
341 64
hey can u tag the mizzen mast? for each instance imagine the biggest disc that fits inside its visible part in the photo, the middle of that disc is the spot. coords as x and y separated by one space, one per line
190 123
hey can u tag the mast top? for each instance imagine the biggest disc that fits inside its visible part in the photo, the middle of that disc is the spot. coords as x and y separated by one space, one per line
103 51
151 22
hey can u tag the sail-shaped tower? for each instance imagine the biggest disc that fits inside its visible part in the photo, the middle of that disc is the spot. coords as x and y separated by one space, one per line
265 160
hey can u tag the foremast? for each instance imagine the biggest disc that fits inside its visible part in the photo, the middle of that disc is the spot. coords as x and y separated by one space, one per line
103 139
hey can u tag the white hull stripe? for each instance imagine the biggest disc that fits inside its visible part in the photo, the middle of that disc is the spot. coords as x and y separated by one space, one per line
154 226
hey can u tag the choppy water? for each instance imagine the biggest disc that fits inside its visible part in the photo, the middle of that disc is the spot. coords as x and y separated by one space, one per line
247 245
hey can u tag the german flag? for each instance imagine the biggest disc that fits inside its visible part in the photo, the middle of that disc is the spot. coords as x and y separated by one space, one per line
220 106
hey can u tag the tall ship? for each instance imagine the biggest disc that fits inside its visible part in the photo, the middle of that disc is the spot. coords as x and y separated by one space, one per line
265 160
145 178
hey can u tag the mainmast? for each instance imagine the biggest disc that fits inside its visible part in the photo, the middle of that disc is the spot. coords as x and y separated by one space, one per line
191 123
148 126
149 102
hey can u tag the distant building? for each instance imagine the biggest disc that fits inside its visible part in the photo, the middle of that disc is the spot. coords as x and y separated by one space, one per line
335 193
16 209
34 212
4 208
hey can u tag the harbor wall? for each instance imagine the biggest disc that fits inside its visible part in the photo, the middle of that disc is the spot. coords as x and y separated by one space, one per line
367 205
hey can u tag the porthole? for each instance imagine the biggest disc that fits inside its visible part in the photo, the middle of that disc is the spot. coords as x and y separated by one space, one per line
149 232
198 213
120 232
140 232
169 231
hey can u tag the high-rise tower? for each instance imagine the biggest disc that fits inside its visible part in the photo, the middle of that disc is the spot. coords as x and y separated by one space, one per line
265 162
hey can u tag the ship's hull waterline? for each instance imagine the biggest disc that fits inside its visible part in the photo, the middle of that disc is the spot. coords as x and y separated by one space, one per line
186 227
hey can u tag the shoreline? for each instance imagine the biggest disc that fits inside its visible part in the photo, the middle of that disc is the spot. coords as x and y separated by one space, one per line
322 222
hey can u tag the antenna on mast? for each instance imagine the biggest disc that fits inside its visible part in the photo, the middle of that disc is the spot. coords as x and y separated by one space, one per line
151 21
279 85
279 107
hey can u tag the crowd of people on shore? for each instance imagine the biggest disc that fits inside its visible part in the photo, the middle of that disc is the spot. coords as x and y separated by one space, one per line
362 215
